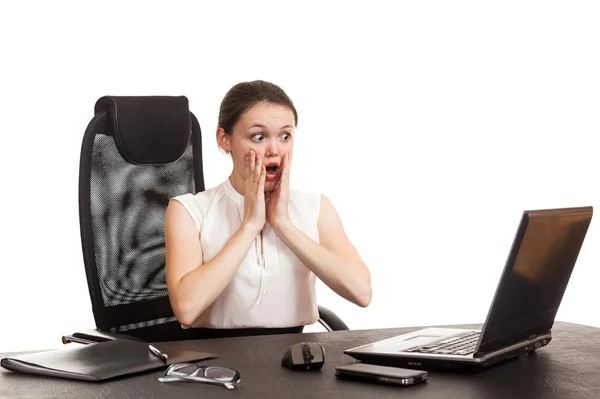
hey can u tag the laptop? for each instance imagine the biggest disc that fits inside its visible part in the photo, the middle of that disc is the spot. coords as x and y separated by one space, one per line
520 318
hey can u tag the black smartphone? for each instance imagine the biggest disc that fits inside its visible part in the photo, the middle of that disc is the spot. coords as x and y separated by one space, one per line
380 374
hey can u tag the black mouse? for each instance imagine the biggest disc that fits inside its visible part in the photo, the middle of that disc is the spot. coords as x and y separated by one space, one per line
304 356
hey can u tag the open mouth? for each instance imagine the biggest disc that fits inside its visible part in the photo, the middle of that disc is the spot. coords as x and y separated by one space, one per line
272 169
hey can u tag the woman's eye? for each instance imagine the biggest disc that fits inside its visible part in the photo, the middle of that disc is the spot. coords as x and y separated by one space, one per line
258 137
286 136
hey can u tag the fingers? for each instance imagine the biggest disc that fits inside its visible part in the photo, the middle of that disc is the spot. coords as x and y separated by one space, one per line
262 178
248 175
257 169
252 165
285 176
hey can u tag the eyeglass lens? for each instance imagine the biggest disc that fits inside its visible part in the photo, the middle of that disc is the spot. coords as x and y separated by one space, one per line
219 373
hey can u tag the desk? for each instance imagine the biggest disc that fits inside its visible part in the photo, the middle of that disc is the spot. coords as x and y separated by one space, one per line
568 367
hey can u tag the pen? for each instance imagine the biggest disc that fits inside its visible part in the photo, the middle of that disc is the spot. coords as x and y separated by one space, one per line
69 338
157 353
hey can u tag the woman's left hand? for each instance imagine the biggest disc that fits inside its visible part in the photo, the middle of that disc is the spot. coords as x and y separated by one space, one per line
277 200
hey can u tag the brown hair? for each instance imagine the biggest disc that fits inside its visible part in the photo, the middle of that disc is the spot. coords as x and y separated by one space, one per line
245 95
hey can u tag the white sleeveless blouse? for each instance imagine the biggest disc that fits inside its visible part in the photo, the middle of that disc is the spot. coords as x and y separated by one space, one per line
273 290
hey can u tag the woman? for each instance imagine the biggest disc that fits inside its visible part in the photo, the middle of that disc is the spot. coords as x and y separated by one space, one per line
245 254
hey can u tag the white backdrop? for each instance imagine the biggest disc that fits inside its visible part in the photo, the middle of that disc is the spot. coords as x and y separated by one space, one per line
430 125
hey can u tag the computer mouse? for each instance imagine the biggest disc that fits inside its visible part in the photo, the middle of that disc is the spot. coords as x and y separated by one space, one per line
304 356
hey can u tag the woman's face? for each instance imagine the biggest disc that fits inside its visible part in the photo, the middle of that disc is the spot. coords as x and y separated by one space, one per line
267 129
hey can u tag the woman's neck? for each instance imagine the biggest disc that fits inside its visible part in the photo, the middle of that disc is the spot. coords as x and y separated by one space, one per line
238 183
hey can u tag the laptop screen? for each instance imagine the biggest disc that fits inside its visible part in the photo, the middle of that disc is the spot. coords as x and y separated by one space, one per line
535 277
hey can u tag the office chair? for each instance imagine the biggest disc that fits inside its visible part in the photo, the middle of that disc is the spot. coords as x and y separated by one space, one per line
136 154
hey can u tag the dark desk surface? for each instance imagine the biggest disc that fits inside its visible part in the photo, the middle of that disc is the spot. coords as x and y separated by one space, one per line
569 367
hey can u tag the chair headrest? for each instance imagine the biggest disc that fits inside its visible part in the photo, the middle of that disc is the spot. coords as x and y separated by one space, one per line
148 129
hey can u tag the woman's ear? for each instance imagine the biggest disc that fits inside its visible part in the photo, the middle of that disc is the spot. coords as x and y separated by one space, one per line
223 140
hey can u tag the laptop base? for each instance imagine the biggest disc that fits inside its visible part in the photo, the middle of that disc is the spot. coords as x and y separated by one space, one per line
467 367
468 364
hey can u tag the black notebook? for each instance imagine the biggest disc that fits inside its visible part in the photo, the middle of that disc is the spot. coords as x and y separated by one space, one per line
99 361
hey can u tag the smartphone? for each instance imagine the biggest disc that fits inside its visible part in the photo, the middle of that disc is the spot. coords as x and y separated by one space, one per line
380 374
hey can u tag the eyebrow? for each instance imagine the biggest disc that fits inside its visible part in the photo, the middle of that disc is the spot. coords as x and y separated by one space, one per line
263 126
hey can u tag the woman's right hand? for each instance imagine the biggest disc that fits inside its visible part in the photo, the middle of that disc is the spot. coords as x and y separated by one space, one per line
254 194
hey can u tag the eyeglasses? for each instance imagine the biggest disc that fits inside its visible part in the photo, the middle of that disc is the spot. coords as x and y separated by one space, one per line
193 372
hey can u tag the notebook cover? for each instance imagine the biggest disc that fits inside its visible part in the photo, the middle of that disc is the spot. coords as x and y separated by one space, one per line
99 361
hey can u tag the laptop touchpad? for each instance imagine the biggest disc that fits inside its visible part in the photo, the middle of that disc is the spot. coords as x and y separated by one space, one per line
419 338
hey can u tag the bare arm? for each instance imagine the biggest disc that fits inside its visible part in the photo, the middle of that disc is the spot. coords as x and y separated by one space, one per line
334 260
194 286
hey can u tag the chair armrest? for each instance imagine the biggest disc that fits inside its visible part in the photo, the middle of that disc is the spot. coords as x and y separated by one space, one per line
92 336
330 320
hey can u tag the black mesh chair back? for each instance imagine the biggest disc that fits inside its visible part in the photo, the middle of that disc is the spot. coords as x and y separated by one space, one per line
137 153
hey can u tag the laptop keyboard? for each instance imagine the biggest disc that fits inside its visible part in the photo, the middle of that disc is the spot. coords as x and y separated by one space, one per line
458 345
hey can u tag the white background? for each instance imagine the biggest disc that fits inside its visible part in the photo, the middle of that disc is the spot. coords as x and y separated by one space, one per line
430 125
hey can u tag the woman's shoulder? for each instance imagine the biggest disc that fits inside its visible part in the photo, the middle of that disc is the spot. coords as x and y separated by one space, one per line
304 194
197 204
201 198
306 199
